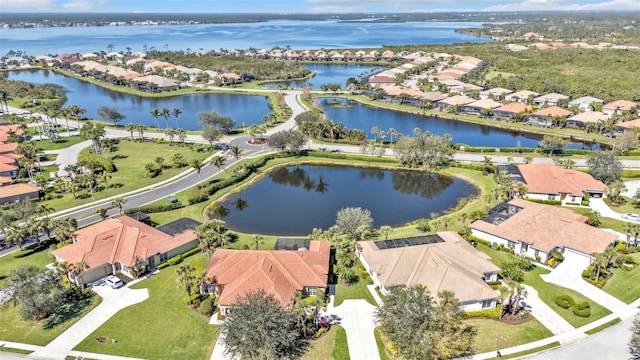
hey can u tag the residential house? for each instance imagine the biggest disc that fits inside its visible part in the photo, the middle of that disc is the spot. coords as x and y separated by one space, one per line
10 193
117 244
585 103
582 119
537 230
628 125
552 182
552 99
477 107
619 107
522 96
281 273
511 112
546 117
516 48
455 101
156 83
441 262
495 93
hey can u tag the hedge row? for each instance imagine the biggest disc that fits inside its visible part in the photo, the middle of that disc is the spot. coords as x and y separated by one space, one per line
154 208
582 309
492 313
545 202
178 258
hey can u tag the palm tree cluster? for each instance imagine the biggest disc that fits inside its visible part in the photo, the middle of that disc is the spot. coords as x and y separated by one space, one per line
166 113
27 222
307 313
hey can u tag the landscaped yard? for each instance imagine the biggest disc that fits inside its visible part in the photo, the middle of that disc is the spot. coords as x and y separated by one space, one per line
625 285
60 143
494 335
13 328
8 262
333 345
548 291
354 291
161 327
605 223
129 160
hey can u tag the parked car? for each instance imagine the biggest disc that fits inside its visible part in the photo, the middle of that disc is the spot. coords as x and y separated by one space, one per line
113 281
632 217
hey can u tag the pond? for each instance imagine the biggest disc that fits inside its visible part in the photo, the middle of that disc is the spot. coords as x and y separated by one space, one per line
241 108
326 74
355 115
293 200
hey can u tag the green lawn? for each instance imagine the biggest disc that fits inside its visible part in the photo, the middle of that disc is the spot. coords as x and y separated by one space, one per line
14 328
354 291
332 343
161 327
340 347
129 160
60 143
625 285
8 262
548 291
626 207
381 343
605 223
494 335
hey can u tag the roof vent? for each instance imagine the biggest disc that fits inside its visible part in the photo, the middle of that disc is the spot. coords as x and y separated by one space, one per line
135 228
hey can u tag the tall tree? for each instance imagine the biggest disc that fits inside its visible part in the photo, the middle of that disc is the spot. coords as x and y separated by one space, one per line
166 113
213 234
604 166
197 164
176 114
186 279
155 113
260 328
118 203
95 133
424 150
422 327
218 161
351 220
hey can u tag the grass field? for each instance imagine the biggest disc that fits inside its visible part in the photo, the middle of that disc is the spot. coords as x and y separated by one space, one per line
129 159
60 143
625 285
340 347
354 291
548 291
494 335
605 223
161 327
8 262
14 328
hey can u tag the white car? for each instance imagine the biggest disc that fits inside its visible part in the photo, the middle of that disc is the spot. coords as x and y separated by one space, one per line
113 281
631 217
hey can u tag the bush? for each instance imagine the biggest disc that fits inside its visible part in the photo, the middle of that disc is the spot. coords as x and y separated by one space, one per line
585 313
564 301
150 209
198 199
207 307
196 299
175 260
321 331
186 254
423 225
545 202
492 313
163 265
585 203
484 242
558 256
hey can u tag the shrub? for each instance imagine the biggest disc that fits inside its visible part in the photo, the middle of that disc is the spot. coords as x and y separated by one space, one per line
585 313
321 331
564 301
175 260
163 265
423 225
484 242
198 199
186 254
491 313
585 203
150 209
196 299
545 202
207 307
558 256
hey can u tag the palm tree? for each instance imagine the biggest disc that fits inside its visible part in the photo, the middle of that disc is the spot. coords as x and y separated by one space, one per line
130 128
186 279
14 235
119 203
197 164
64 112
166 113
46 209
155 113
171 133
176 114
236 151
182 135
141 129
218 161
256 240
102 212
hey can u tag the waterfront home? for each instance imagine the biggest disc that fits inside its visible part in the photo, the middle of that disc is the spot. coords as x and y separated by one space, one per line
495 93
155 83
441 262
522 96
387 55
620 107
553 182
478 107
547 116
511 112
233 273
552 99
11 193
454 102
120 245
585 103
628 125
537 231
516 48
582 119
385 77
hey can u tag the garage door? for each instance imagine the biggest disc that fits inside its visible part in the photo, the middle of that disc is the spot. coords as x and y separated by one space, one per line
576 258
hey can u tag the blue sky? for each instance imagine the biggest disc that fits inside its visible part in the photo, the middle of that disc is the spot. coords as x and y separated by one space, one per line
309 6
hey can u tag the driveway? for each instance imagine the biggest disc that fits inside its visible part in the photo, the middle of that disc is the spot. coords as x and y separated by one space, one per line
356 317
113 300
632 187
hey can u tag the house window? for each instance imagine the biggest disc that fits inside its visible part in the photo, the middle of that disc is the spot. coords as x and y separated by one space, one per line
163 257
551 197
511 244
311 291
537 253
573 199
209 289
487 304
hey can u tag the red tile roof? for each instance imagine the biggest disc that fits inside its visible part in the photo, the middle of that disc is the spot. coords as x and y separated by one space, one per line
620 105
553 179
553 111
119 239
8 191
516 107
278 272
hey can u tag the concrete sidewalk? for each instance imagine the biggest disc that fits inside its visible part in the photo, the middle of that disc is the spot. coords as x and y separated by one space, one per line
113 300
543 313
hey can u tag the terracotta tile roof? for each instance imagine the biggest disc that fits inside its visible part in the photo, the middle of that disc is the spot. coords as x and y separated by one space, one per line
8 148
589 117
523 94
5 180
7 167
620 105
630 124
544 227
457 100
278 272
553 179
17 189
485 104
553 111
516 107
119 239
5 129
452 265
496 91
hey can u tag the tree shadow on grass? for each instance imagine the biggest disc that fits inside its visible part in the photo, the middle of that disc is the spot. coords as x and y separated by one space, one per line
68 310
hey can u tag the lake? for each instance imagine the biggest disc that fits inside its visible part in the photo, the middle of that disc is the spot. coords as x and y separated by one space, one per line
295 33
325 74
245 109
359 116
294 200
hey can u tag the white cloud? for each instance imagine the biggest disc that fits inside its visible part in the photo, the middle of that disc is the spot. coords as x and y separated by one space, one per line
52 5
27 5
